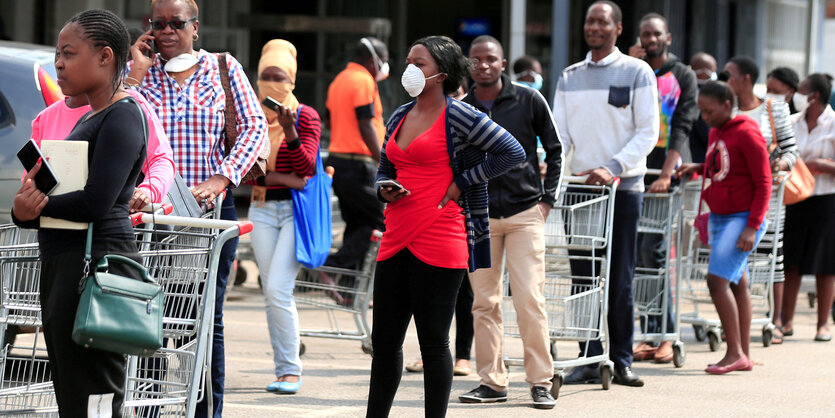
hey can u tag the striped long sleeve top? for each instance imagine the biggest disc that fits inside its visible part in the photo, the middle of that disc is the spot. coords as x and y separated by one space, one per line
300 160
479 149
786 143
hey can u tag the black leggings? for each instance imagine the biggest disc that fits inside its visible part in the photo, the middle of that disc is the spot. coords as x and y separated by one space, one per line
403 286
464 320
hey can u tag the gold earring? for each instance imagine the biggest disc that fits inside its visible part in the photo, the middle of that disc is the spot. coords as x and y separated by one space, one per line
195 37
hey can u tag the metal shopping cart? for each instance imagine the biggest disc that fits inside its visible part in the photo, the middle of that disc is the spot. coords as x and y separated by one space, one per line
578 253
344 294
652 286
763 265
184 260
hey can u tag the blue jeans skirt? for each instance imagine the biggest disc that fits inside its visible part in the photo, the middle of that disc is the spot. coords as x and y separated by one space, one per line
726 260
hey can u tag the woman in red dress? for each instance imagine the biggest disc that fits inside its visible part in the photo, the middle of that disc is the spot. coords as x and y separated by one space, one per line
436 218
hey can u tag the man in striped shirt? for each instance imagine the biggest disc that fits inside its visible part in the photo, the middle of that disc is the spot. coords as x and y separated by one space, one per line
606 108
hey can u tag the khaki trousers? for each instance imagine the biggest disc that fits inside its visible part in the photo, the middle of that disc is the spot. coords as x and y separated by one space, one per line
520 239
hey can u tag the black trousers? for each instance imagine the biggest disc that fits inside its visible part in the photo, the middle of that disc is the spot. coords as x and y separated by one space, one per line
652 254
78 373
405 286
362 211
464 332
622 270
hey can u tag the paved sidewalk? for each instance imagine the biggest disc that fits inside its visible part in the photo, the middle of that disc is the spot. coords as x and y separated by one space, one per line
796 378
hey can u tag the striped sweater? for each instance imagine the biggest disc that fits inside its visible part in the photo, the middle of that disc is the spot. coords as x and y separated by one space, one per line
786 143
479 149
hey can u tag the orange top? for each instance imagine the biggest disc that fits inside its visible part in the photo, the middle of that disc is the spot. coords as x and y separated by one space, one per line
352 88
437 237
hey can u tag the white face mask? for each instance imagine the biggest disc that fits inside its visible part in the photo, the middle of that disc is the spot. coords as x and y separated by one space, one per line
180 63
800 101
414 81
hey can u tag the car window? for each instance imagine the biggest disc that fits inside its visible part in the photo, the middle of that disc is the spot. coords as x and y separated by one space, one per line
6 115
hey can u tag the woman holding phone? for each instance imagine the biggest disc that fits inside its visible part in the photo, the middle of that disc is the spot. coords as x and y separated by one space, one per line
294 143
90 60
443 152
185 87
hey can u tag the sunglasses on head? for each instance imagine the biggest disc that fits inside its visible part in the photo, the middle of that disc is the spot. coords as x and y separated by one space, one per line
175 24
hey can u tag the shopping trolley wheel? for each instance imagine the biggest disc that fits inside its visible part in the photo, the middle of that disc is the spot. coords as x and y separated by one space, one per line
679 355
767 335
701 332
366 347
556 384
606 375
302 349
714 340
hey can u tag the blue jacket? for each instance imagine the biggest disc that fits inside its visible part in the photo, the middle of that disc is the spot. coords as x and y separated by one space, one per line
479 149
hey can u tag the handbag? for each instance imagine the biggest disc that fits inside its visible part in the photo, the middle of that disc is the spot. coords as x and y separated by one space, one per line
312 218
230 133
181 199
118 313
701 221
800 183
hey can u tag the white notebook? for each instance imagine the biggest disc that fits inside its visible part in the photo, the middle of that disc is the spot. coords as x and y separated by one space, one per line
69 162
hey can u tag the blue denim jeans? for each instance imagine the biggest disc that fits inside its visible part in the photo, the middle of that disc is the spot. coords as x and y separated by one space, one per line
273 242
227 257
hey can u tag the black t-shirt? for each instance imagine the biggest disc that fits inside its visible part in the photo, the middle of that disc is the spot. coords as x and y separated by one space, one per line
115 155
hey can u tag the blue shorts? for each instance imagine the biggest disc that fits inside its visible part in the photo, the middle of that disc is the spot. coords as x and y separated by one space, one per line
726 260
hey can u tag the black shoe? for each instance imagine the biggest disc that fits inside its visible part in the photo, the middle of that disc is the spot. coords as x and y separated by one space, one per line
484 394
625 376
582 375
542 398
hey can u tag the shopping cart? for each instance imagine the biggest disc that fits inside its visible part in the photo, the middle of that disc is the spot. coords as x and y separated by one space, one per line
578 253
184 260
762 265
344 294
652 287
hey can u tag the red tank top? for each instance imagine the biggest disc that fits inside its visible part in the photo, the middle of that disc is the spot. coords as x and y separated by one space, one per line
437 237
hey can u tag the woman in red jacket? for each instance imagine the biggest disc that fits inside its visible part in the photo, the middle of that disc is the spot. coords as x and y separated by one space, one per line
740 186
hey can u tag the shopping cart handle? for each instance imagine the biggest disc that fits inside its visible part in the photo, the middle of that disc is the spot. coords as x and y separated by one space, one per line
582 179
245 227
136 218
167 208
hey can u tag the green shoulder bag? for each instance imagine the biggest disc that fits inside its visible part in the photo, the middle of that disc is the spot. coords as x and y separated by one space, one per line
118 313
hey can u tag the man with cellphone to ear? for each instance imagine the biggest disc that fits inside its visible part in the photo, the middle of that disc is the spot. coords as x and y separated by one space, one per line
354 115
677 100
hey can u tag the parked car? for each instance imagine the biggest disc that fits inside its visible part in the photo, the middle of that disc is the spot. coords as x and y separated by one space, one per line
27 86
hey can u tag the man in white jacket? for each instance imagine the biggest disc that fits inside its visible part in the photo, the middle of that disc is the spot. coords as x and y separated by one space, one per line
607 111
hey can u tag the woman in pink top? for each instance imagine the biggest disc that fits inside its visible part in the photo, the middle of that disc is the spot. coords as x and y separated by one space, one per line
56 122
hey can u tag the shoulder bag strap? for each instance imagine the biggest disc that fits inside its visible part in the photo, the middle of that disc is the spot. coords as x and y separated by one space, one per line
771 122
229 112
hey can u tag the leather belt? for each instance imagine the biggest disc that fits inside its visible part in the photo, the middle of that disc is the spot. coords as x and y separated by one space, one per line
353 157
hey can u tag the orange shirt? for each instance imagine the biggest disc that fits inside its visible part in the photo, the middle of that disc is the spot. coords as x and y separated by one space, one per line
352 88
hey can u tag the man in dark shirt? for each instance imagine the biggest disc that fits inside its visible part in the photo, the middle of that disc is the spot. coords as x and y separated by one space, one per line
704 65
677 99
519 206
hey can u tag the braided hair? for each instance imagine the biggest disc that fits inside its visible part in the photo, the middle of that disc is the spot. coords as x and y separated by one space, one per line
104 29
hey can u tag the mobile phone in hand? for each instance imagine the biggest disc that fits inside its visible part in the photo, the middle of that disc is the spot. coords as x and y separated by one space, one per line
152 51
45 179
391 183
272 104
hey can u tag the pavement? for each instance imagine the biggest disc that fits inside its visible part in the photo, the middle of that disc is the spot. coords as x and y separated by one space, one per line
796 378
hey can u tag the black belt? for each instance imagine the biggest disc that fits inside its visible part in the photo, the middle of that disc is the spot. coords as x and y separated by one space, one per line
278 194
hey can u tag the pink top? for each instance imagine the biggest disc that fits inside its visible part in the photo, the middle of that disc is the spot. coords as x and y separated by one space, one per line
56 122
437 237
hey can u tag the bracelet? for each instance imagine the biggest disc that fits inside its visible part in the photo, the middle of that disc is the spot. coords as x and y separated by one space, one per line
131 78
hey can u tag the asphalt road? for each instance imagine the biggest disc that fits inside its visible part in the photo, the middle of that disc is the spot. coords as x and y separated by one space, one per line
796 378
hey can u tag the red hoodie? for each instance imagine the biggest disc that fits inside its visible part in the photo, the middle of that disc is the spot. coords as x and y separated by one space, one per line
737 164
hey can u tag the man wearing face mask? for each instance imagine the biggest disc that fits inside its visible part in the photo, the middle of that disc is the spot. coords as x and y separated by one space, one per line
528 71
677 100
519 204
355 117
704 65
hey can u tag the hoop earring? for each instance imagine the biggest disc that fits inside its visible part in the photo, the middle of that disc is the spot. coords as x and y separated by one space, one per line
195 37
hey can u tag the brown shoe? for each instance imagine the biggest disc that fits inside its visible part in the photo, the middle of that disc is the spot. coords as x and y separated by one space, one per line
643 351
461 368
664 353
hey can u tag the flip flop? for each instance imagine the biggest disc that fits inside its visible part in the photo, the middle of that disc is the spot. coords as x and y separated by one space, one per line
777 336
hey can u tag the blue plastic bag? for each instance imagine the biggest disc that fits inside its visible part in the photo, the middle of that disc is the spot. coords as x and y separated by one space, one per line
312 218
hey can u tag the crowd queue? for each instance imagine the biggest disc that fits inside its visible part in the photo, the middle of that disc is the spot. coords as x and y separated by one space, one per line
453 178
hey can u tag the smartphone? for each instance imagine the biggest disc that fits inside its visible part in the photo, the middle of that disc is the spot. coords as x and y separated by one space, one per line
151 52
393 183
28 155
272 104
